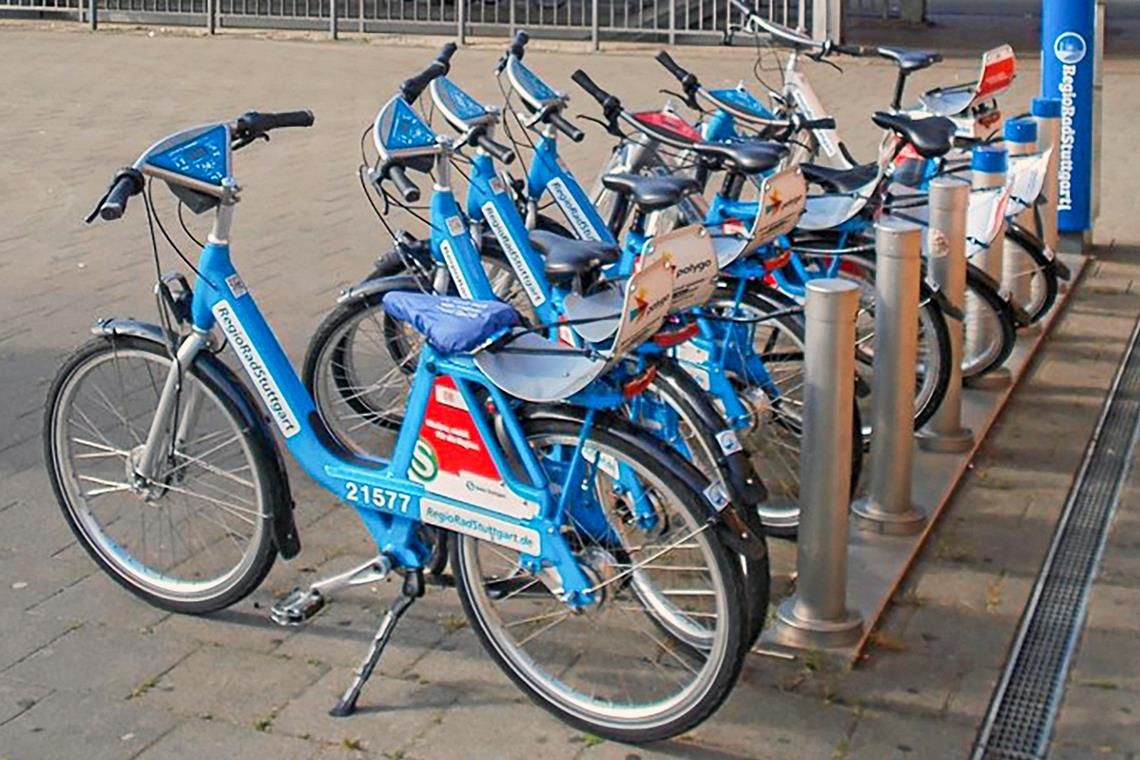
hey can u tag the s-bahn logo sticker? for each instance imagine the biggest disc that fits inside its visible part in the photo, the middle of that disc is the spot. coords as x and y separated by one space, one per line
450 459
1070 48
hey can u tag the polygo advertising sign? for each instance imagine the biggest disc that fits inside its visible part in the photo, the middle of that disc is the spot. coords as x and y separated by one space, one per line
1067 60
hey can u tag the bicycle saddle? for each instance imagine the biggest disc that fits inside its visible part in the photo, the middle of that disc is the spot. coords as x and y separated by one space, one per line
746 156
651 193
931 137
567 258
908 59
839 180
450 325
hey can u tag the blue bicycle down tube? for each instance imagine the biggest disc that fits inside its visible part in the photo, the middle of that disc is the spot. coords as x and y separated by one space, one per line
489 201
547 173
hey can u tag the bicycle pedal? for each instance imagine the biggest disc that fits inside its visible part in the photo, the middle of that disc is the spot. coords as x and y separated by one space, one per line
297 607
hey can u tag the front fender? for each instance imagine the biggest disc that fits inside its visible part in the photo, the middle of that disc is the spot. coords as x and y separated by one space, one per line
220 376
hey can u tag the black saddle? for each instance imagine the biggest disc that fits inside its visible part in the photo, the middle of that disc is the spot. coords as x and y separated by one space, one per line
651 193
910 60
745 156
840 180
931 137
567 258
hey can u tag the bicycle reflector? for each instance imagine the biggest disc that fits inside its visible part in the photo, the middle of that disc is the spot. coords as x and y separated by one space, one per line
637 385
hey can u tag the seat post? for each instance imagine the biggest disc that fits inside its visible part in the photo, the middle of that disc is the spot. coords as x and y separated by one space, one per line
900 85
618 212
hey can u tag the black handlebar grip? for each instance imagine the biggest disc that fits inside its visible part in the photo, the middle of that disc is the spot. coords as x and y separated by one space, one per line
116 203
518 44
582 79
445 54
128 182
289 119
671 66
565 127
852 50
499 151
413 87
826 122
407 189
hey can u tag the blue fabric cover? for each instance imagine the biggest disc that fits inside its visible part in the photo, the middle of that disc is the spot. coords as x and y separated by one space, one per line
449 324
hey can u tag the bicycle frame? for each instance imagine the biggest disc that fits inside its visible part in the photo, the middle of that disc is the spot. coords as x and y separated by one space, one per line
392 497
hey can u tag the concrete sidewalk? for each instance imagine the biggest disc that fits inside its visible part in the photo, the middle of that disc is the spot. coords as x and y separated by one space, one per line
88 672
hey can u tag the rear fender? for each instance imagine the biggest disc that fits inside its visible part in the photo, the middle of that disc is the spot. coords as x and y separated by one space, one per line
729 519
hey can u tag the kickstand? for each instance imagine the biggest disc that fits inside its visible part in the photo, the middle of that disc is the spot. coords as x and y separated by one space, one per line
412 589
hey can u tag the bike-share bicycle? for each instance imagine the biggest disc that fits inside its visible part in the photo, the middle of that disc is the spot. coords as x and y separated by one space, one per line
834 236
973 108
547 274
595 565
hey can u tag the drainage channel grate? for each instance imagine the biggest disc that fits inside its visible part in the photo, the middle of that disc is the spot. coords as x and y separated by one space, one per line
1020 719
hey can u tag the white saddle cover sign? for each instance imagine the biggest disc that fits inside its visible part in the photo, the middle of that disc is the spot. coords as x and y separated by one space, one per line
689 252
648 294
985 217
1026 180
781 198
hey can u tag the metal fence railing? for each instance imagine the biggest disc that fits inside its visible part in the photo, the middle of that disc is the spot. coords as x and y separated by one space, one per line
683 21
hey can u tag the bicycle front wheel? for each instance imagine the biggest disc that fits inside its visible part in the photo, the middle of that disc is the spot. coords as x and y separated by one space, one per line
663 644
195 537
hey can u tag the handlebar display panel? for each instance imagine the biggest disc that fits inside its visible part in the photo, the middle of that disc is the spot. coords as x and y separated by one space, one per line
740 101
459 108
203 158
400 130
536 92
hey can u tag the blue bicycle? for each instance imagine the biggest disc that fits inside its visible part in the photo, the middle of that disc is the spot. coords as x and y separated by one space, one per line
598 568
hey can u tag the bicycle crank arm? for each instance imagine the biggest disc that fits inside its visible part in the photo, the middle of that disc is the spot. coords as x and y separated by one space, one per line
300 605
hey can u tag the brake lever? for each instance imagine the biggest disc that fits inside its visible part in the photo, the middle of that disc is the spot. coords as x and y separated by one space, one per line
687 98
241 142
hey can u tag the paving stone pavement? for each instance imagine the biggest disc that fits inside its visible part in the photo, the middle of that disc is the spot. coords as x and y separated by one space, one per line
87 671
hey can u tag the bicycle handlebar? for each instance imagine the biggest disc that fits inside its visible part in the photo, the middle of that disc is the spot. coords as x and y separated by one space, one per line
605 100
518 44
408 190
855 51
517 48
498 150
413 87
558 122
244 130
128 182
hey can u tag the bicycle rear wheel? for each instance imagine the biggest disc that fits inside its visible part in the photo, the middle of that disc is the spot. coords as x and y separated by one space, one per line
195 538
663 645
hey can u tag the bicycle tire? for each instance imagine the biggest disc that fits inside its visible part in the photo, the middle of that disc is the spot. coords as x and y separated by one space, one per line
978 285
264 464
523 670
933 322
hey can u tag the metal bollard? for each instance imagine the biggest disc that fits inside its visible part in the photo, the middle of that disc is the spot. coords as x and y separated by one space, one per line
817 615
988 169
898 274
1047 113
946 262
93 13
1017 266
333 32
